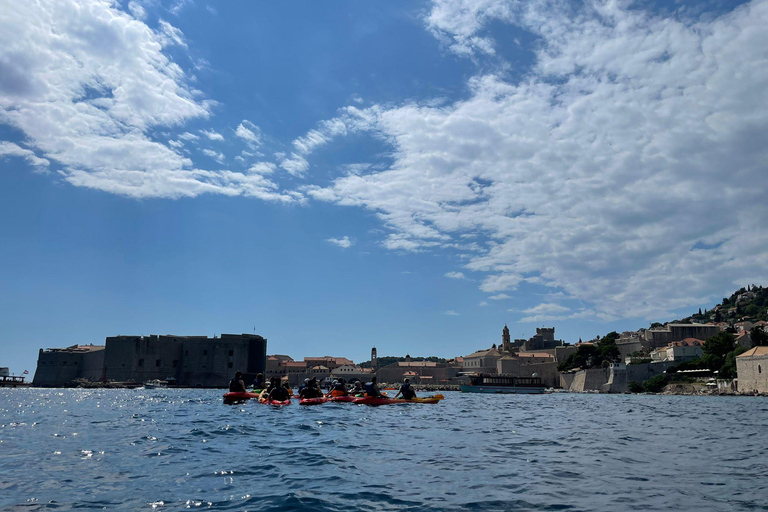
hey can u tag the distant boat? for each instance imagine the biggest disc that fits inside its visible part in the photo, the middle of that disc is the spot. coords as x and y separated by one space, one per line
160 384
502 384
12 381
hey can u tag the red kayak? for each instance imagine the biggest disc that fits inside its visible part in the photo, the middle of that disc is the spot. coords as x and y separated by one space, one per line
313 401
239 397
389 401
276 403
345 398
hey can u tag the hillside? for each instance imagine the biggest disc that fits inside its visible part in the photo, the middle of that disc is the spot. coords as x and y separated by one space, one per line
745 304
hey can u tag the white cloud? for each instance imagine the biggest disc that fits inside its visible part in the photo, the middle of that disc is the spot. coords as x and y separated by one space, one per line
11 149
250 133
262 168
137 10
547 307
483 304
179 5
455 275
216 155
632 140
170 35
87 84
500 296
343 242
451 312
212 134
189 136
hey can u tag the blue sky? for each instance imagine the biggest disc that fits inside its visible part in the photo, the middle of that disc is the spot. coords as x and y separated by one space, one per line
400 174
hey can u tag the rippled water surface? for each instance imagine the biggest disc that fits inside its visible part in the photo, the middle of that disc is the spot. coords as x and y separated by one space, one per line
184 449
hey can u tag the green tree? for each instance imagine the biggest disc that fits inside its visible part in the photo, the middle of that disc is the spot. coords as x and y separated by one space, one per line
655 384
719 345
728 370
759 337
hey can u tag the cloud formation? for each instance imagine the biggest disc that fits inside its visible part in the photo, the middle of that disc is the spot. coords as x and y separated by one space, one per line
626 168
343 242
87 84
11 149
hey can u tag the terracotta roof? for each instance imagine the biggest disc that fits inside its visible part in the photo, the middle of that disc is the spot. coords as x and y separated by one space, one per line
756 351
417 363
483 353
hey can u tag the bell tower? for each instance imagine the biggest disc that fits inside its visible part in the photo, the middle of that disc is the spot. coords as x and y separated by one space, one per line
506 343
374 362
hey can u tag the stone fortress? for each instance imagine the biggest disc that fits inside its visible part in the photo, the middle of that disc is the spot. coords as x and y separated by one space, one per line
192 361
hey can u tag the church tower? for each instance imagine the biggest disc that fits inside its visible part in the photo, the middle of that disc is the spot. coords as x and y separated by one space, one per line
506 342
374 362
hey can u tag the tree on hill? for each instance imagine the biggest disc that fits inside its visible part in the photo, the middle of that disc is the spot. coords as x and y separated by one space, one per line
719 345
759 337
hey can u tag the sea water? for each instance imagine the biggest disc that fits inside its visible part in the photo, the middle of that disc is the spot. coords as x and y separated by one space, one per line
181 449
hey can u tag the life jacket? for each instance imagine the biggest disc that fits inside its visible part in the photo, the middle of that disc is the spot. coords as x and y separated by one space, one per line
235 386
407 392
370 390
280 394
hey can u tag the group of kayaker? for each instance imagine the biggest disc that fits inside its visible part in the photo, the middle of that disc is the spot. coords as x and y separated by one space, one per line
311 388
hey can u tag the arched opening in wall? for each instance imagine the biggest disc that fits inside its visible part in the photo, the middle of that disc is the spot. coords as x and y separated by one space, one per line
759 369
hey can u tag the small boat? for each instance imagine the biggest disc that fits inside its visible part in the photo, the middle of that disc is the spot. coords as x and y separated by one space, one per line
503 384
160 384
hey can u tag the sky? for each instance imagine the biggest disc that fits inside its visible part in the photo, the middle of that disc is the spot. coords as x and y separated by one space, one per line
406 175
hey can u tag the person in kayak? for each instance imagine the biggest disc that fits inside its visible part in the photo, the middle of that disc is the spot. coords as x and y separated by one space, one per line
372 390
259 383
279 393
339 388
406 390
358 390
237 385
311 390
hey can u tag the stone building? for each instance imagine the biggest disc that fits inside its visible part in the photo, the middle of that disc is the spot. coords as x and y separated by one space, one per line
544 339
527 364
482 361
58 366
419 372
678 332
752 370
195 361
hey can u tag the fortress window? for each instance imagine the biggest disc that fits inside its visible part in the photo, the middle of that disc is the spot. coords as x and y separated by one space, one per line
759 370
175 363
231 353
63 362
229 365
141 363
157 362
205 352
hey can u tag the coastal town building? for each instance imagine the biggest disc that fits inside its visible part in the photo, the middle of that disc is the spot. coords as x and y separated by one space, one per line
195 361
679 351
744 339
544 339
540 364
59 366
482 361
419 372
662 336
752 369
